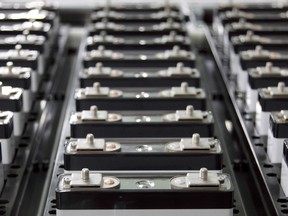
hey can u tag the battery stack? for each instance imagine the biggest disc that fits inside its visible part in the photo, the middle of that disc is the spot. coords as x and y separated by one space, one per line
254 41
138 133
28 40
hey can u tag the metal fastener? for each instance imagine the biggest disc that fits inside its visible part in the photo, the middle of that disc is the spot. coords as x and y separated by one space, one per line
180 67
195 139
9 66
90 139
94 111
281 86
96 86
184 87
203 174
189 110
85 174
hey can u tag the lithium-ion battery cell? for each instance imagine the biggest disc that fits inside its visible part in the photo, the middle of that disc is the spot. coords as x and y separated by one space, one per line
263 77
260 17
140 9
154 17
259 57
141 123
116 59
145 153
119 29
23 57
152 194
19 77
11 99
34 27
139 77
121 43
140 98
251 40
284 168
270 99
241 27
6 137
276 135
33 14
27 41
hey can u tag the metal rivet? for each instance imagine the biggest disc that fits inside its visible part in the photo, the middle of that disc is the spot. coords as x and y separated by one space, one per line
96 86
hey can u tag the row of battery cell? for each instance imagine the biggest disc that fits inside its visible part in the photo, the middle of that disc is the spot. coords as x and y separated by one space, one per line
27 34
256 42
137 64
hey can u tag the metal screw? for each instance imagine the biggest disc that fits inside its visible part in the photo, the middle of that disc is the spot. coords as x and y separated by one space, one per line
221 179
196 139
258 49
9 66
94 111
172 35
90 139
66 182
184 87
269 66
73 146
101 49
249 34
176 50
18 48
281 86
85 174
96 86
78 116
103 34
99 67
180 67
189 110
203 174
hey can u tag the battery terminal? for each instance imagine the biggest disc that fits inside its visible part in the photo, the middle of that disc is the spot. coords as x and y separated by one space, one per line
89 180
101 53
92 144
236 13
282 116
280 91
175 53
259 53
242 24
251 37
169 24
172 37
179 71
195 144
106 25
268 70
98 92
201 179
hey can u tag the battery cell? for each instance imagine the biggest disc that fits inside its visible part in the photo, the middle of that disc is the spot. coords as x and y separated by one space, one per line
139 77
146 154
6 137
284 169
117 59
140 98
142 123
150 194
